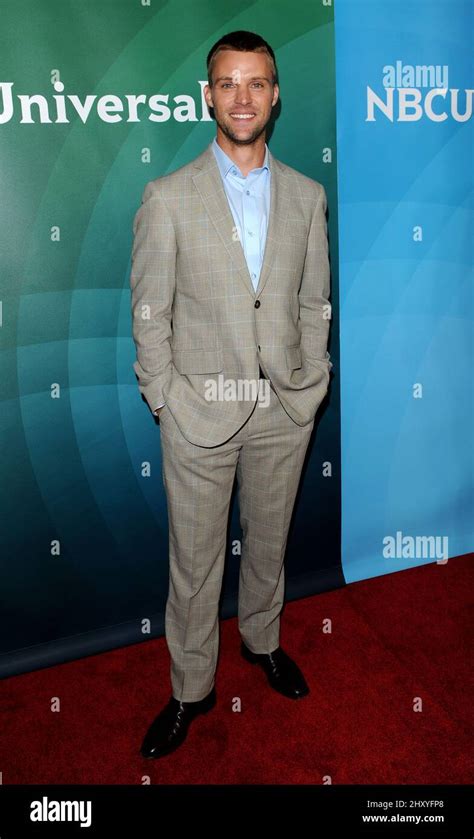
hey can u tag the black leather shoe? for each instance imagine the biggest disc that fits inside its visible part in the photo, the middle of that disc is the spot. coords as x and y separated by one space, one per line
282 673
170 727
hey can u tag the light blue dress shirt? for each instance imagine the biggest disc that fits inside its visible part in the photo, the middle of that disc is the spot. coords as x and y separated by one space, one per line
249 200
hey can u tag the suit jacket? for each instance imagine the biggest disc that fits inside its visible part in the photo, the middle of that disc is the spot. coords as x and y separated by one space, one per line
200 329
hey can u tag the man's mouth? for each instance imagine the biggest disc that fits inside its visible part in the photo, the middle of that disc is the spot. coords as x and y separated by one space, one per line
242 117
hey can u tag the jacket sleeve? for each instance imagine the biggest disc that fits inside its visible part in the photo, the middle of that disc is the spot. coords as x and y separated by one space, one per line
315 308
152 282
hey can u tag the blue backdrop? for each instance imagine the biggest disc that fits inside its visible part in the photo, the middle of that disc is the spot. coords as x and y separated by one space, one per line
405 179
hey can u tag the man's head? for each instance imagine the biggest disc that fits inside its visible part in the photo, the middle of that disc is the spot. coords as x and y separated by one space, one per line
242 85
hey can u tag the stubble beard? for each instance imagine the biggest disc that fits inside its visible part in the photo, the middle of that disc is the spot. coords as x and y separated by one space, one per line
235 138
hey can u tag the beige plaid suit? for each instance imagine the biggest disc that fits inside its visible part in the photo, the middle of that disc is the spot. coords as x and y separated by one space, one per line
201 332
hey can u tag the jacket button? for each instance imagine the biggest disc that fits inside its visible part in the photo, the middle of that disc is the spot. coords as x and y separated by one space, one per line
257 304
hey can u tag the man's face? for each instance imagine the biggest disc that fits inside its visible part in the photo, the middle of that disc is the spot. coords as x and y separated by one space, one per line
242 95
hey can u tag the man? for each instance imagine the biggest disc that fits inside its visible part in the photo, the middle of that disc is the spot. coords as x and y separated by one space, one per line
230 286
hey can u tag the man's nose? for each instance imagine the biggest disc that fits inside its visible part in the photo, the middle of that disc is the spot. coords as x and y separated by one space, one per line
242 97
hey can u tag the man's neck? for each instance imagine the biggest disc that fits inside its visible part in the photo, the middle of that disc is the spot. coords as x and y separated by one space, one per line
245 157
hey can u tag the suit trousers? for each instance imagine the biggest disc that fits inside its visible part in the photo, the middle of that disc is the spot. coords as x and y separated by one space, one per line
266 455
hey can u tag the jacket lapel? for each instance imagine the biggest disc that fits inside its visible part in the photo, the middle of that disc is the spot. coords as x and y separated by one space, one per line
208 182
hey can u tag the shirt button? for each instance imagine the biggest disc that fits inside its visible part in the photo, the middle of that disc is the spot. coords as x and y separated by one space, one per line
247 192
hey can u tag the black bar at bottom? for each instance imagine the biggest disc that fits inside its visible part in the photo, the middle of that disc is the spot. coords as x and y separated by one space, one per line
401 810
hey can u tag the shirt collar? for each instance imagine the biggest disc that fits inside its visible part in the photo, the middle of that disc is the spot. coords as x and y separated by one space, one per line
225 163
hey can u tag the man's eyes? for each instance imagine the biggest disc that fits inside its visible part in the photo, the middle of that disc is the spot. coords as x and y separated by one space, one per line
230 84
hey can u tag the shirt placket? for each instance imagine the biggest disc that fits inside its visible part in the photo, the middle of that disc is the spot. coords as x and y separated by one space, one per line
252 228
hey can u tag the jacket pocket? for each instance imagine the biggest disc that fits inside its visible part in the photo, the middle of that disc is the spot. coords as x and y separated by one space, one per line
198 361
293 357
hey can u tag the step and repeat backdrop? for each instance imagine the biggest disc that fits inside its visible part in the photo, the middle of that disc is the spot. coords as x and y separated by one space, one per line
84 524
84 531
404 79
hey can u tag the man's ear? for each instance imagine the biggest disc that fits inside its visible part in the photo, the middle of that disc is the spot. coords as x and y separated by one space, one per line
208 96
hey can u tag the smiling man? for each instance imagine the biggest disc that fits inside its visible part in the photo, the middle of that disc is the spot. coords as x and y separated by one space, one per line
230 280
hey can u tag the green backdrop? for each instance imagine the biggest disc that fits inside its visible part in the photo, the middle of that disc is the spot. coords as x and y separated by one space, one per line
84 532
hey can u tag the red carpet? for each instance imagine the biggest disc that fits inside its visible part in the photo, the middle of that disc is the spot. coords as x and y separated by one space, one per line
394 638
